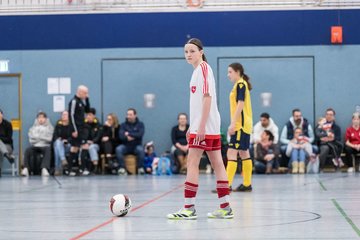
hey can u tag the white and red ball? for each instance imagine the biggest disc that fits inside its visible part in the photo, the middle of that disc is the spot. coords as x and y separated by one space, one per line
120 205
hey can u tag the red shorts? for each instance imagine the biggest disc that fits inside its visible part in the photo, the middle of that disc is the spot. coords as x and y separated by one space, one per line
210 143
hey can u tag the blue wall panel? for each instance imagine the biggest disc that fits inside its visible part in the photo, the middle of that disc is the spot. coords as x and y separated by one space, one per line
126 81
336 81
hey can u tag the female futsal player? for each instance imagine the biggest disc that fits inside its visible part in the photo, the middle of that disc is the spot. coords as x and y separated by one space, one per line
240 127
203 135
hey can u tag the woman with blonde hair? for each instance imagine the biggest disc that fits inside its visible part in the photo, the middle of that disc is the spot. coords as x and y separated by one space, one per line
110 135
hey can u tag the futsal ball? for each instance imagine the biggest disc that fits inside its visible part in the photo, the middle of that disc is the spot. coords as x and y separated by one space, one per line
120 205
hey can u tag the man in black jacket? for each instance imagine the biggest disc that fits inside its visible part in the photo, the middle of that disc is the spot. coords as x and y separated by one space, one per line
78 107
329 135
6 141
131 133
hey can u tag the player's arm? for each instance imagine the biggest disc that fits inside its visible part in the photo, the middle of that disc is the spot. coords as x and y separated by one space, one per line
72 116
87 105
204 116
240 97
237 115
206 102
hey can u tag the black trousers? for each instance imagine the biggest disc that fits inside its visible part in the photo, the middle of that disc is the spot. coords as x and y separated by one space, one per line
349 152
333 149
31 151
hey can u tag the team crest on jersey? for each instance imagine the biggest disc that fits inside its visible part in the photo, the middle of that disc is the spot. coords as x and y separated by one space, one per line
193 89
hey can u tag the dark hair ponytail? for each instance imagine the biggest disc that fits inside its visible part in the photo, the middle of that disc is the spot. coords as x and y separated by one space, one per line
271 136
239 68
199 44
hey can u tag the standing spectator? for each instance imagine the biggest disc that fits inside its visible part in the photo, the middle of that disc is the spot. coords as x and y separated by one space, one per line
78 107
267 153
91 145
61 138
298 149
287 133
352 140
329 135
110 136
40 136
180 144
131 134
265 123
6 141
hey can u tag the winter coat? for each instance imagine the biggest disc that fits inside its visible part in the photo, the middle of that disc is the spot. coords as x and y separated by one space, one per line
41 135
259 129
6 132
261 151
135 130
285 137
62 131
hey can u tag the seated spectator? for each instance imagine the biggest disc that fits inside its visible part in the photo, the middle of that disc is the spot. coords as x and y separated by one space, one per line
110 136
265 123
329 136
61 138
180 145
150 155
6 141
131 133
287 133
267 153
352 141
90 145
40 136
298 149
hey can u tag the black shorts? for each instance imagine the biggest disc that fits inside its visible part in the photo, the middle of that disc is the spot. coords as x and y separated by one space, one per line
81 138
240 141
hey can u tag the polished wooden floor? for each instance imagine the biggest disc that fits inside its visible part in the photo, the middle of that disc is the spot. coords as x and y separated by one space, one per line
324 206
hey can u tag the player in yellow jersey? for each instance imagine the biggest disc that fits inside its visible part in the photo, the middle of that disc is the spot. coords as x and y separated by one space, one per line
240 127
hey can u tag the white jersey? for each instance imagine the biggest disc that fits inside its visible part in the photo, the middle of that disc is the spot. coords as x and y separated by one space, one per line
203 82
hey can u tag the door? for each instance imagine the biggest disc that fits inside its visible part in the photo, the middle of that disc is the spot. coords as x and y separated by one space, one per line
125 81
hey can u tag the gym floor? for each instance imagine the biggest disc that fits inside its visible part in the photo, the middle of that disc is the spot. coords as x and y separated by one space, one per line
324 206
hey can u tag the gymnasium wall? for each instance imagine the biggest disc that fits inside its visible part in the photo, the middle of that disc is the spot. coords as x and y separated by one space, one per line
124 56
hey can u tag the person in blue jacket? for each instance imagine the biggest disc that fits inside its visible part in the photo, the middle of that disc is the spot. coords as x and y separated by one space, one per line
131 133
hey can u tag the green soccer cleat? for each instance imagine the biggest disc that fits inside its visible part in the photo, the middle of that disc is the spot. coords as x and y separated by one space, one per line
222 214
183 214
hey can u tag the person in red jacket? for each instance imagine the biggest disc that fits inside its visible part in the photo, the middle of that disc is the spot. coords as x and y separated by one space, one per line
352 140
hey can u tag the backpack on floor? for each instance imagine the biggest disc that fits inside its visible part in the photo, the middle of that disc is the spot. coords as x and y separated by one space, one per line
313 166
